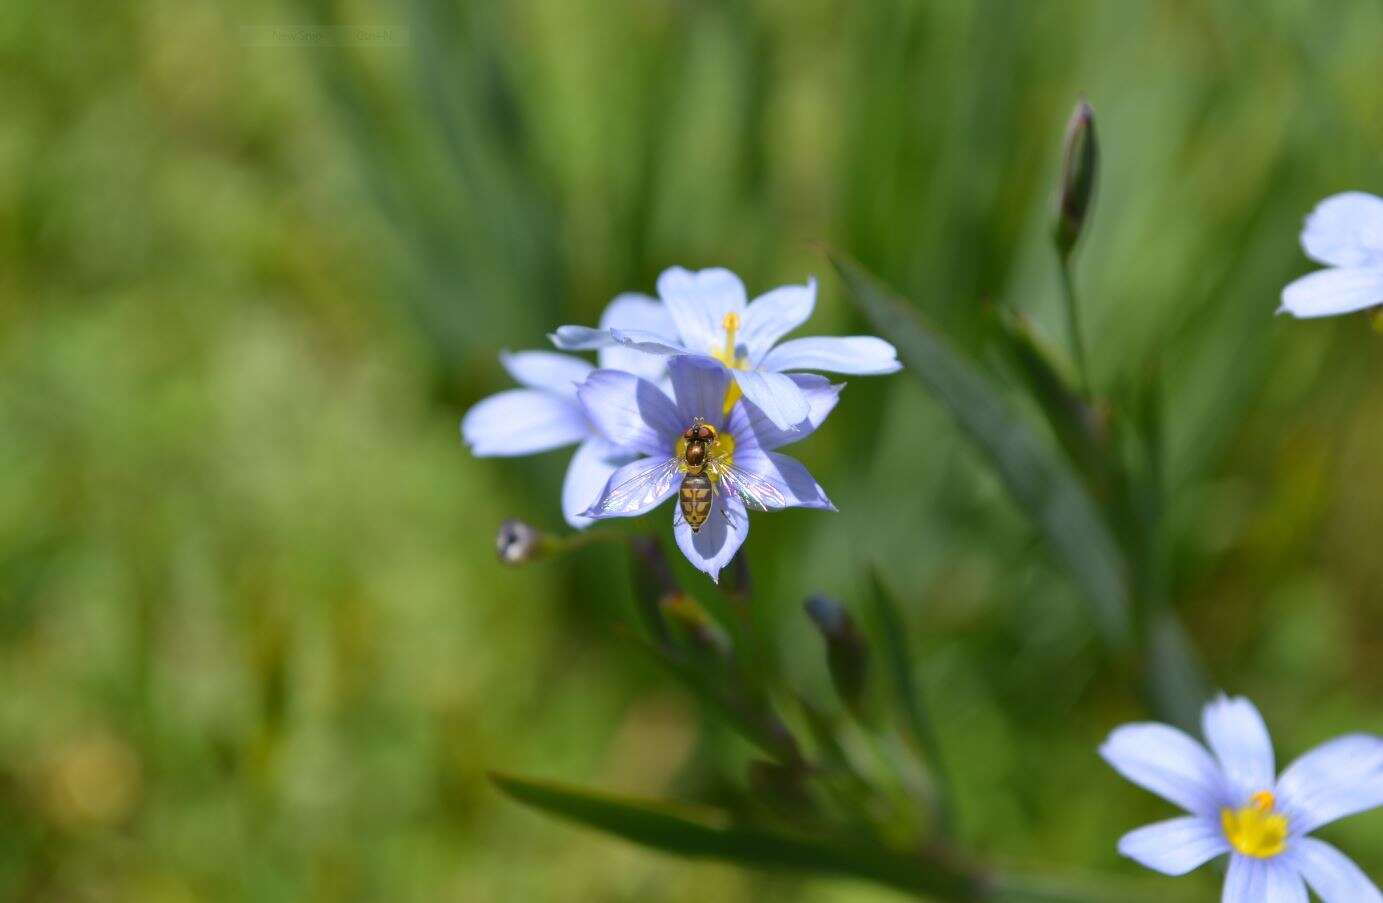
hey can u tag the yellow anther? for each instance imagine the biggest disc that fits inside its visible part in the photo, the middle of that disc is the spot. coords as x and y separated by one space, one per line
1256 830
729 354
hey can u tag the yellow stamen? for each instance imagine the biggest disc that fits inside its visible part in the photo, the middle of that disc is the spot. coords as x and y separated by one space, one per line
728 353
1256 830
731 325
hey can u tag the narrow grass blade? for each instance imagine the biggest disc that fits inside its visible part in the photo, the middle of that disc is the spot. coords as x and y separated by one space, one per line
1040 481
898 660
711 833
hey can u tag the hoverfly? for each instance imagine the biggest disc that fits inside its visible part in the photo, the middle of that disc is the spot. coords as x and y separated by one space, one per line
706 470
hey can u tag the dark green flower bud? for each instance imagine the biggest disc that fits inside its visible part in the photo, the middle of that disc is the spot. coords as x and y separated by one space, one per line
1076 190
847 654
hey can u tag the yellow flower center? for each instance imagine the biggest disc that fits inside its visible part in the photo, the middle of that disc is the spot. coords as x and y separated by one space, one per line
719 453
728 354
1256 830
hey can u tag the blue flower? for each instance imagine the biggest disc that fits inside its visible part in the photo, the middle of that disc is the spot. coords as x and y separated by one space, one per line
743 467
1240 806
545 413
1345 232
706 314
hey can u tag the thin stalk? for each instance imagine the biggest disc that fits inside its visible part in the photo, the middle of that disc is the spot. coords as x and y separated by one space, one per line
1068 293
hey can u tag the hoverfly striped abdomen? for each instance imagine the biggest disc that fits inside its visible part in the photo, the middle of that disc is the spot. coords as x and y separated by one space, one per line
695 497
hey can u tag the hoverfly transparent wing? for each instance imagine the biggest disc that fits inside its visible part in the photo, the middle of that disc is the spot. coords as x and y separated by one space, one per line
755 491
650 482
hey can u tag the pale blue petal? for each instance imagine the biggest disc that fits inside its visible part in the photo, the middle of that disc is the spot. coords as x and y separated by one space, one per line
773 315
588 474
1263 881
1326 293
637 488
699 385
1283 884
748 420
631 412
780 399
558 373
1239 738
1168 762
1331 874
522 422
643 314
1336 779
1346 230
863 355
797 486
698 303
719 538
581 338
641 342
1246 881
1177 846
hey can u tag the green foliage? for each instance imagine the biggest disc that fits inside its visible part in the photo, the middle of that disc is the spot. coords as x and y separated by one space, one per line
691 833
1044 485
254 637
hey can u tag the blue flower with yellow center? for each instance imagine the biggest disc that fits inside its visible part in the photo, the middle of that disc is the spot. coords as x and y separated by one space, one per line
707 314
1240 806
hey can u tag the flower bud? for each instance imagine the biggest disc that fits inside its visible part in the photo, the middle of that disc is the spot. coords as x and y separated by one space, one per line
847 654
520 543
1075 191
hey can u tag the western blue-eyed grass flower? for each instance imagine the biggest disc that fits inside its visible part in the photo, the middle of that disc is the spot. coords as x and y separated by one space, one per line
743 468
1344 232
706 314
544 414
1239 805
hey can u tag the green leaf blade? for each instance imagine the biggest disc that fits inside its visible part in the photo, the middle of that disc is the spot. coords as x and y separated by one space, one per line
710 833
1043 484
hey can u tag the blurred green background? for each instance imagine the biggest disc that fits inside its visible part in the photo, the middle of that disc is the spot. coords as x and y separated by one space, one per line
254 642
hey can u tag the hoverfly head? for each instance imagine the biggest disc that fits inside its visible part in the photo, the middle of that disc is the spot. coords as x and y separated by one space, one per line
700 430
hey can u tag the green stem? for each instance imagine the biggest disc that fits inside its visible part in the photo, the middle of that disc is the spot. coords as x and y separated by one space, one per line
1068 292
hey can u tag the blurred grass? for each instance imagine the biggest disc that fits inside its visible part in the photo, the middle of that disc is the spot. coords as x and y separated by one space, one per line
254 642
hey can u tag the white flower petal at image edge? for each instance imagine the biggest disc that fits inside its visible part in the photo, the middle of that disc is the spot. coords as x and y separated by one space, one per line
1344 232
638 415
707 314
1240 806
